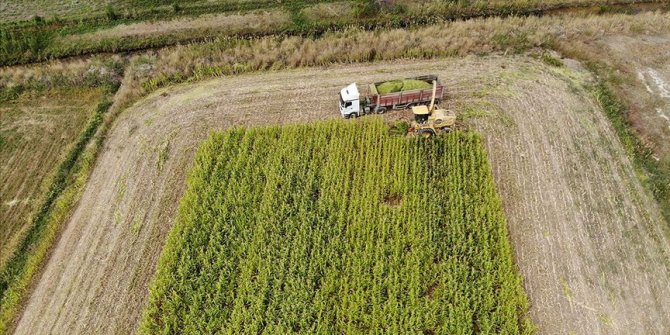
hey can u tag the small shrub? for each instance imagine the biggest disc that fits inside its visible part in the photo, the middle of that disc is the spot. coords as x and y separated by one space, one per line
399 9
111 13
551 60
366 8
516 42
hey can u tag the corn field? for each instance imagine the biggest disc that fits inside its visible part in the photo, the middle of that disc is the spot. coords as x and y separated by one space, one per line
338 227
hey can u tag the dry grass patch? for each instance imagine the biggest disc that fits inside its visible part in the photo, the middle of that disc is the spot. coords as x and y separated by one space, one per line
14 10
214 24
478 36
328 11
36 130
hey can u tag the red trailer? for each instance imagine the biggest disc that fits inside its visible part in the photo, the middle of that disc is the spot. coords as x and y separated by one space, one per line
353 105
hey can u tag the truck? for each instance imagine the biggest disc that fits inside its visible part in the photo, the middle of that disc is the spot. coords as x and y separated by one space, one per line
353 104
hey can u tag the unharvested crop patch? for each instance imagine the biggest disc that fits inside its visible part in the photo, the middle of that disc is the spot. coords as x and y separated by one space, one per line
286 230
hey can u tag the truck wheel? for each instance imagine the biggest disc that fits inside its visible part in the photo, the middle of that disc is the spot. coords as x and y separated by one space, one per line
381 110
353 115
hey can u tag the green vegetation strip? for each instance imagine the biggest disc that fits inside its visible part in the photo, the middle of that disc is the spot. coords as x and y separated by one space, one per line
402 85
37 41
338 228
65 188
654 174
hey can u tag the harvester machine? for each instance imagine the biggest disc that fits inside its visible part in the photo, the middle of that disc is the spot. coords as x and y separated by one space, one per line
431 120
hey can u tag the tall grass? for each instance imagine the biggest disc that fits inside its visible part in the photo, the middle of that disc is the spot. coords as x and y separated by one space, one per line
227 56
94 72
478 36
42 41
657 172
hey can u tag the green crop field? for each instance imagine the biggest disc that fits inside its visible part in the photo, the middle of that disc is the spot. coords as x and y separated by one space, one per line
402 85
337 228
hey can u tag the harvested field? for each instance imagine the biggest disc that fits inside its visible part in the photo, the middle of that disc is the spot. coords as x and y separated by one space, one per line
646 61
638 68
595 238
35 132
586 235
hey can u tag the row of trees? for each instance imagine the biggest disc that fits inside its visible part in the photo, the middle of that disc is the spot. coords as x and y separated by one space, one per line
338 227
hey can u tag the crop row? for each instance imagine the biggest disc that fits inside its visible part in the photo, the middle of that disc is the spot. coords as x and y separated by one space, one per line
338 227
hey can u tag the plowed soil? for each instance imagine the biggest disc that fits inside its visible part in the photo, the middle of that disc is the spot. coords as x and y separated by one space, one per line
587 237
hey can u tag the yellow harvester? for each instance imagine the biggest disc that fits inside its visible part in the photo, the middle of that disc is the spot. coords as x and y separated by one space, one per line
431 120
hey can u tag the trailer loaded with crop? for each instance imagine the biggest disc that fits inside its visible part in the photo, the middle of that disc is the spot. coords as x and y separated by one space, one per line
394 94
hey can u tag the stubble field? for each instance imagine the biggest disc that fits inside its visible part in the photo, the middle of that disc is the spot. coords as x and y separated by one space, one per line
586 235
36 130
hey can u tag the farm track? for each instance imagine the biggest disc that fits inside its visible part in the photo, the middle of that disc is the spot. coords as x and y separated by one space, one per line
587 237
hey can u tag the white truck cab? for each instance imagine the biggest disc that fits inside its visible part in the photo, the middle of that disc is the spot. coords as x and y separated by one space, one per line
350 104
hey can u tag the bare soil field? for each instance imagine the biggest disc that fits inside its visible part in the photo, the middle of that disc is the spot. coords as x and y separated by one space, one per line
35 131
588 238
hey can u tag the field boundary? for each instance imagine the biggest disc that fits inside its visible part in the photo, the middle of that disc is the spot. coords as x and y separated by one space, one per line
32 44
64 190
653 174
658 176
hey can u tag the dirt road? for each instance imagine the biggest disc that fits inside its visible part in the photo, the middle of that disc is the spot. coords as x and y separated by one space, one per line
586 235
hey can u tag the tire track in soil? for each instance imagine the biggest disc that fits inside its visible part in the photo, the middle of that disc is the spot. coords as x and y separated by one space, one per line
586 235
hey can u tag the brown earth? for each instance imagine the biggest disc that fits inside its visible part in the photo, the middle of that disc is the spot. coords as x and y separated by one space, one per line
587 236
36 130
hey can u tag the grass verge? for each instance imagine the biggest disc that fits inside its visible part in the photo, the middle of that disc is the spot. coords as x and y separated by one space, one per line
654 174
43 40
38 129
63 193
